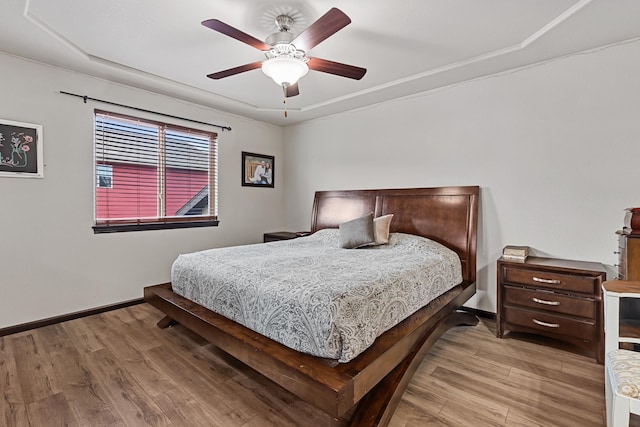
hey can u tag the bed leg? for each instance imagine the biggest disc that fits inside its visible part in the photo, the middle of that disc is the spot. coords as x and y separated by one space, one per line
378 406
165 322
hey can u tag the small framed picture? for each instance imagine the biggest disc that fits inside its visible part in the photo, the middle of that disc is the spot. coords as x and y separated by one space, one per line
21 150
257 170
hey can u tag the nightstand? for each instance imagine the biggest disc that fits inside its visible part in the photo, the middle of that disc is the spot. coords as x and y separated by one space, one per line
556 298
280 235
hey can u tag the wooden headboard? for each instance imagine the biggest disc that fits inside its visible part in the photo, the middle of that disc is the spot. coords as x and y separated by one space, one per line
448 215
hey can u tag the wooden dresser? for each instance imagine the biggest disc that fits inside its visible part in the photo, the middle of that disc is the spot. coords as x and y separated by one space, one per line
556 298
628 256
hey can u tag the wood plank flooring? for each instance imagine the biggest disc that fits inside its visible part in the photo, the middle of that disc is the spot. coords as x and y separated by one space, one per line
119 369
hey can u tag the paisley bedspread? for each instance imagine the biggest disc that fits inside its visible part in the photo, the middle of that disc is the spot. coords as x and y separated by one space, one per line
313 296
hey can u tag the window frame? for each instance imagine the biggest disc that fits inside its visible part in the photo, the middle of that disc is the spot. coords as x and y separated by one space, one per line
160 222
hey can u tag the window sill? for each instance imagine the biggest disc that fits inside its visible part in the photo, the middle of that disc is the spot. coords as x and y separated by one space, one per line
119 228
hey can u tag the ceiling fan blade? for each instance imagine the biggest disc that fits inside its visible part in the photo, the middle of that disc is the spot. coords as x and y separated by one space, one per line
326 26
236 70
337 68
292 90
230 31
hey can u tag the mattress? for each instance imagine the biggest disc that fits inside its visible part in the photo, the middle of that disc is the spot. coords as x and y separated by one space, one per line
315 297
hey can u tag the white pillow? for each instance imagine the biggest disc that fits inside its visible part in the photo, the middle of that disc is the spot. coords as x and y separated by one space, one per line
381 229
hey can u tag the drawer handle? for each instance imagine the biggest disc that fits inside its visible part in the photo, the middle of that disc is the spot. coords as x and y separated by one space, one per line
548 325
541 301
549 281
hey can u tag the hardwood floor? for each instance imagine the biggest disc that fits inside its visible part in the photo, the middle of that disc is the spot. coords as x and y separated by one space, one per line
118 368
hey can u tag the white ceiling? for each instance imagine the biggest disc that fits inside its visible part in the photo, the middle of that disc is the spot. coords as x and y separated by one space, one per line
407 46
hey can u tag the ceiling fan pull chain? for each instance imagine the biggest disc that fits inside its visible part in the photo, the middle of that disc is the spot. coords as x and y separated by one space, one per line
284 101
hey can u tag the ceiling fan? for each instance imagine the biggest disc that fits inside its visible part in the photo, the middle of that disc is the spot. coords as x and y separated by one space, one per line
287 59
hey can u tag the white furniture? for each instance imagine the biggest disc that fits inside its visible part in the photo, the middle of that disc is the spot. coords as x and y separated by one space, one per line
622 367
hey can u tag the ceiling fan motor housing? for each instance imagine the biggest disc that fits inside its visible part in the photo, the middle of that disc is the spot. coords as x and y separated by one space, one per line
281 37
284 35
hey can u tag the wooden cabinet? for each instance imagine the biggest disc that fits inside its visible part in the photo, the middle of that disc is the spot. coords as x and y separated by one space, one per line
556 298
628 256
629 269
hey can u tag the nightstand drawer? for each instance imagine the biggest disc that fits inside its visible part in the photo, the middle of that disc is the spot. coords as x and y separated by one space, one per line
549 301
550 324
551 280
279 235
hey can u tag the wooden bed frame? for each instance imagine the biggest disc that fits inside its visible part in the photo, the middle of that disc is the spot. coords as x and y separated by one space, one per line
366 390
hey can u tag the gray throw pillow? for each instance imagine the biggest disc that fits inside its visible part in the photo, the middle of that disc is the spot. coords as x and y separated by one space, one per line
357 232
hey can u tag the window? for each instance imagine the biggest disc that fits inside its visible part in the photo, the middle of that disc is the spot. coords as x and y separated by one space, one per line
152 175
104 175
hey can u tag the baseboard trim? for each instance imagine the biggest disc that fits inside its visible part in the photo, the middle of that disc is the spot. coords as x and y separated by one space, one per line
66 317
480 313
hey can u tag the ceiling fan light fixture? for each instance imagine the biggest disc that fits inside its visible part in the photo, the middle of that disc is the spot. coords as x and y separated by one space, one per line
285 70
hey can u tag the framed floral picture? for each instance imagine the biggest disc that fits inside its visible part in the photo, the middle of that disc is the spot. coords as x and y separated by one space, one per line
257 170
21 150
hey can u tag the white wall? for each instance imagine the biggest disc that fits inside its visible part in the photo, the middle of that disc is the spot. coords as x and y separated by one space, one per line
51 263
554 147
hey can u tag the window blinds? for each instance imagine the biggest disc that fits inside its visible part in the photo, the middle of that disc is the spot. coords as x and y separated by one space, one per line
147 171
